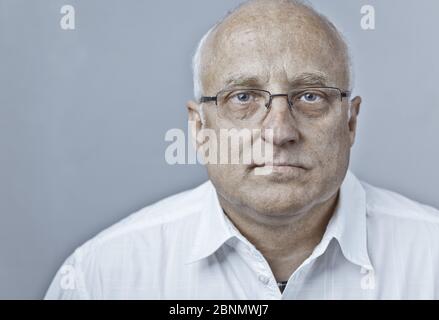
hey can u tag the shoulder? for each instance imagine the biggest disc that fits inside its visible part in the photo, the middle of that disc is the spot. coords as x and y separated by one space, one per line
156 221
400 224
403 242
384 203
125 251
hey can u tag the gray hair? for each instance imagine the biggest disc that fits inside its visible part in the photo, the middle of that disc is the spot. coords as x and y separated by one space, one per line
196 59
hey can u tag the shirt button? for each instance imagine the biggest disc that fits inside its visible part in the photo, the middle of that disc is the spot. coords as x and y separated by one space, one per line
265 280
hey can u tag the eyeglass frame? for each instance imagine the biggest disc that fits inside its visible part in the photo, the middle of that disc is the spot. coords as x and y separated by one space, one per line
343 94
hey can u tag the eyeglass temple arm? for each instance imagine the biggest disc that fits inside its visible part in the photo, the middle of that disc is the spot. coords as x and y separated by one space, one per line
345 94
207 99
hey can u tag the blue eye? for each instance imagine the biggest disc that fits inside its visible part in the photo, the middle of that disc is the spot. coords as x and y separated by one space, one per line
243 97
246 98
310 97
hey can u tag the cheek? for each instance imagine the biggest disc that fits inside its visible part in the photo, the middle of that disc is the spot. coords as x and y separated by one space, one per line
330 146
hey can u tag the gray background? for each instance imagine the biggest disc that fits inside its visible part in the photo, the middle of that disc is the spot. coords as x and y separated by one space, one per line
83 115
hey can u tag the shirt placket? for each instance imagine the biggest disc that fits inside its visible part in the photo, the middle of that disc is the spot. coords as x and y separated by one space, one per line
262 270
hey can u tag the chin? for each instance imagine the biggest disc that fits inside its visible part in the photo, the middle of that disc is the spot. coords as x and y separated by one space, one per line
277 203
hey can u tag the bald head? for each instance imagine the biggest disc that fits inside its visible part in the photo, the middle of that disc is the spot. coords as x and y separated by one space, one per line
279 34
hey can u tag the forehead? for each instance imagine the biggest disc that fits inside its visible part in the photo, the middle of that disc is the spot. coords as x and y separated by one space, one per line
274 52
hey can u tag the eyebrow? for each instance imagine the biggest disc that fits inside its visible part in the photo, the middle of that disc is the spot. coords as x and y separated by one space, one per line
309 79
244 81
298 80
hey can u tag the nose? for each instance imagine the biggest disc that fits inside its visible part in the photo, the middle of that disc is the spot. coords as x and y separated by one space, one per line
281 121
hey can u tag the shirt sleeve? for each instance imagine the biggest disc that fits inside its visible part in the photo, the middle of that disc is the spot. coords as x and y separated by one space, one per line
68 283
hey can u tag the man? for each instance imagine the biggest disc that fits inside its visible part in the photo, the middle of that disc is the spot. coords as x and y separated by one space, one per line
308 228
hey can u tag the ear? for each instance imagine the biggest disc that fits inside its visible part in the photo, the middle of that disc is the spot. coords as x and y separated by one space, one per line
354 110
195 116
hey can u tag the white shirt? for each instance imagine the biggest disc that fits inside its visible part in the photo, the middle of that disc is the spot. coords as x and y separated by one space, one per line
377 245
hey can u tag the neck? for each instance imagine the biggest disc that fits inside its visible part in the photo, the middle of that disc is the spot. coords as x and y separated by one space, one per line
284 241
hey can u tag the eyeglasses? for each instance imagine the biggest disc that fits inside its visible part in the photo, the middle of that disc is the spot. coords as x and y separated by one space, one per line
252 105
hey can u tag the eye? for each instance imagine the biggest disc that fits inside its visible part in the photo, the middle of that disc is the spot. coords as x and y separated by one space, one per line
242 97
310 97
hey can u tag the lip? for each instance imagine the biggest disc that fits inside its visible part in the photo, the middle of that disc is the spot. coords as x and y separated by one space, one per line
282 171
279 164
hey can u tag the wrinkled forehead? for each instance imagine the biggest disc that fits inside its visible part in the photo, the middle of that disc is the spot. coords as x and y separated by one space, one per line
275 53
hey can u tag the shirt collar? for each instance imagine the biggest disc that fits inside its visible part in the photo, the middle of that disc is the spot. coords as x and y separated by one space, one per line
214 227
347 225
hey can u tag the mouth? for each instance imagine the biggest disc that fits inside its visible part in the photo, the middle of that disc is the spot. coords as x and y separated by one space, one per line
279 168
279 165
